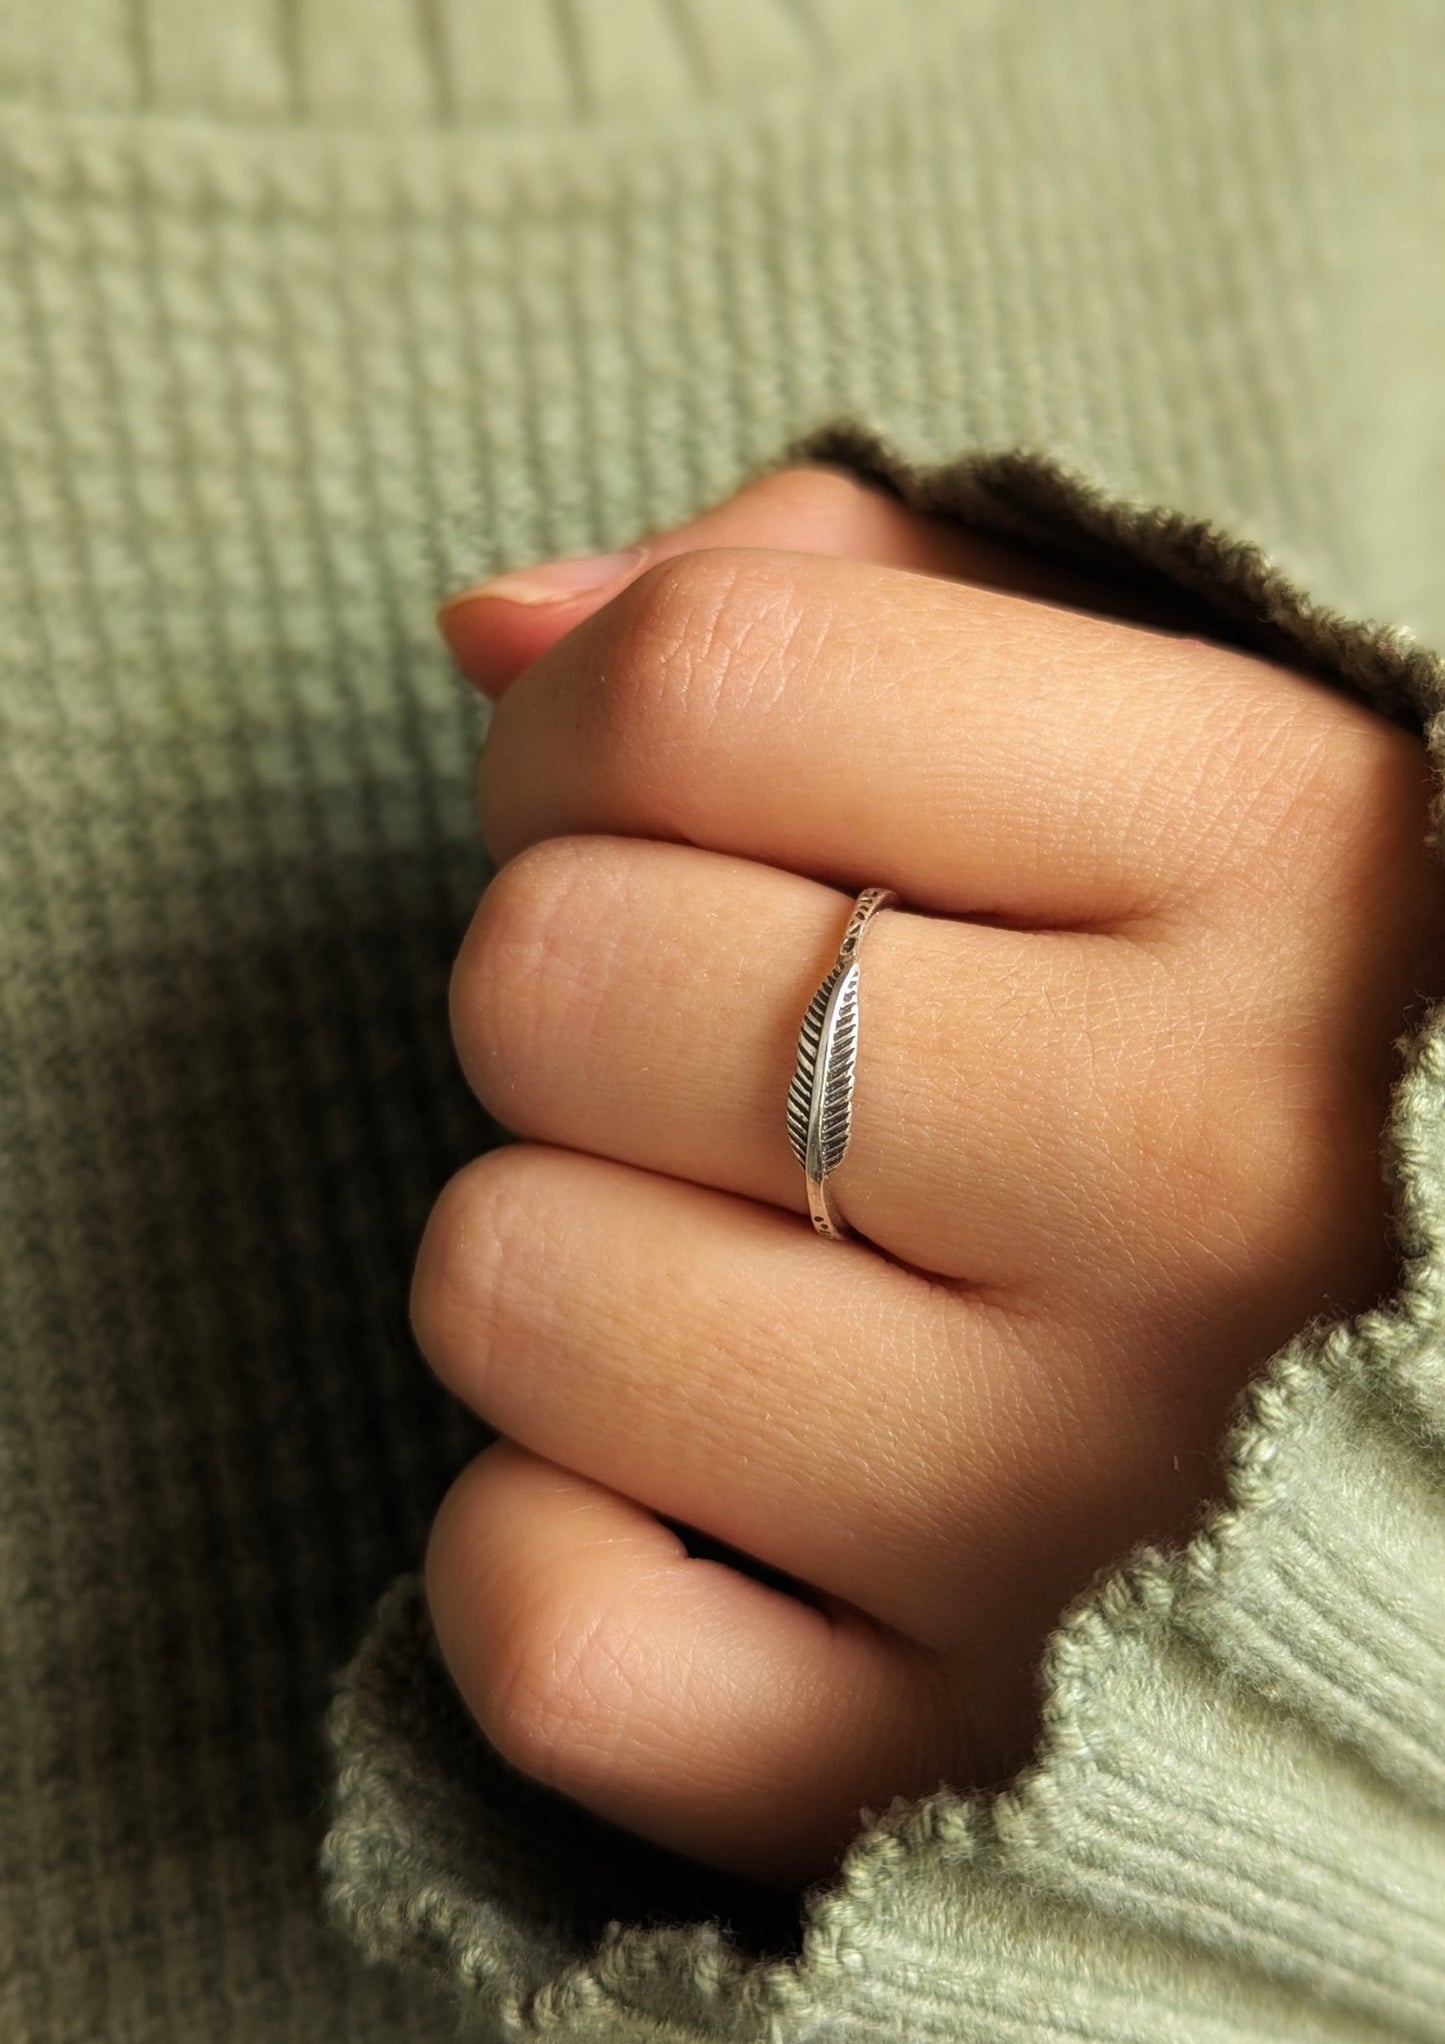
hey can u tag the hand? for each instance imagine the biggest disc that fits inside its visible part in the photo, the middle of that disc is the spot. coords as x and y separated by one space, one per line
1124 1057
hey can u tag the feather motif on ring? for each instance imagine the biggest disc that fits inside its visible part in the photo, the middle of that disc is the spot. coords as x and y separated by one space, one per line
820 1097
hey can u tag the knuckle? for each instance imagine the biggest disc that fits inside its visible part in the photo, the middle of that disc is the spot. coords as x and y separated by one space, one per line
519 962
666 643
695 635
458 1568
480 1211
563 1695
562 1680
501 1611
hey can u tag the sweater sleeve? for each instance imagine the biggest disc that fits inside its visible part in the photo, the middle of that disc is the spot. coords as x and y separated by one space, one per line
1233 1824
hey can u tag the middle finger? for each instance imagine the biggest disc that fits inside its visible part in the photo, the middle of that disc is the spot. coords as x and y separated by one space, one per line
642 1002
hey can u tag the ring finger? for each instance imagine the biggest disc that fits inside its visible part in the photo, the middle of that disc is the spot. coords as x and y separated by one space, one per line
677 1344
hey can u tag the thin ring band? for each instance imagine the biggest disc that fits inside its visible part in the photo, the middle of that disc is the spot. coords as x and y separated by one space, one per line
820 1097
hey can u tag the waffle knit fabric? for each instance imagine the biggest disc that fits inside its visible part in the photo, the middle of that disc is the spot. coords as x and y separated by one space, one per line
310 313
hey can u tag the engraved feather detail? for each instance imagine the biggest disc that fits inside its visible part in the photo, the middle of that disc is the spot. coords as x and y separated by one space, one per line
800 1092
820 1097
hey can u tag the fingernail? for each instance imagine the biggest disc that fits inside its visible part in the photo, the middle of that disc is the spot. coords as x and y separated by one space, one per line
550 581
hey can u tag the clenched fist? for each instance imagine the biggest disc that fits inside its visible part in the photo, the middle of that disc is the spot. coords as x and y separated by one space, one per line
1125 1052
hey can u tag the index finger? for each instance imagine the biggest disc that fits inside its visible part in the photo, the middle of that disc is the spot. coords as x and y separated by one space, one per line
979 752
497 628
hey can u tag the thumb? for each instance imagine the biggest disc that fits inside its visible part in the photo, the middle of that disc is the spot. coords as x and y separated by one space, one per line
497 628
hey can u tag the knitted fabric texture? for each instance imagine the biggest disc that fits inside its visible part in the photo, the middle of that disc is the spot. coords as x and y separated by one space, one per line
308 315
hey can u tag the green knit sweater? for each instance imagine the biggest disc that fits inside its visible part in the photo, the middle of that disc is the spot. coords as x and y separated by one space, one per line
311 310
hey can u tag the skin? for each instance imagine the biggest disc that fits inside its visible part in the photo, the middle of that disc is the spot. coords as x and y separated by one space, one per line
1125 1055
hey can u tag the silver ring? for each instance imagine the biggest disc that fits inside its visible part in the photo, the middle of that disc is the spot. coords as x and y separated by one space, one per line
820 1097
